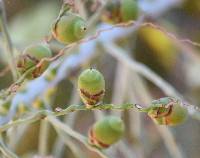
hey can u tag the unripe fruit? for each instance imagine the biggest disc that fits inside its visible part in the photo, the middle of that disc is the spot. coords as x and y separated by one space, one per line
106 132
69 28
91 85
168 111
120 11
31 56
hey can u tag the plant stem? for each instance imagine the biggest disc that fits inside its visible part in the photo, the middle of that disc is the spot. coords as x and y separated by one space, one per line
5 151
70 144
61 126
43 138
8 43
44 113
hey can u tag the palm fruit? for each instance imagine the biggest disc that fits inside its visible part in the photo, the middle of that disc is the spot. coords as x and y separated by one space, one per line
30 57
120 11
106 132
167 111
69 28
91 85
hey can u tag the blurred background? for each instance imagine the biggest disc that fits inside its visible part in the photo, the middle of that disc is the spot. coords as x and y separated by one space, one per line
176 62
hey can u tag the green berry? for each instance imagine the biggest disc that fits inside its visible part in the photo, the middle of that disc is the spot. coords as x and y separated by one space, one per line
30 57
120 11
168 111
128 10
69 28
91 85
106 132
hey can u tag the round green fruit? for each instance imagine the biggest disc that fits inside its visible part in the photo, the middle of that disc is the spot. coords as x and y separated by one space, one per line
168 111
120 11
69 28
91 85
106 132
30 57
128 10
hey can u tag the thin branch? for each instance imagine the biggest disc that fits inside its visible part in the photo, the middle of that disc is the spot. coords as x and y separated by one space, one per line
9 47
15 86
4 71
170 142
7 152
77 152
120 25
168 89
43 138
120 54
72 108
61 126
97 14
70 120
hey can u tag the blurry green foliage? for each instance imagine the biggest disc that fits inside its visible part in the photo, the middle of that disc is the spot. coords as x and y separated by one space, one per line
33 23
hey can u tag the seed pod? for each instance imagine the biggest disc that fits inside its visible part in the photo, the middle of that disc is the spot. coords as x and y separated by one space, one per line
106 132
168 111
31 56
120 11
91 85
69 28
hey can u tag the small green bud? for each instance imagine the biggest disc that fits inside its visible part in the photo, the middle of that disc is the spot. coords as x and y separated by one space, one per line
91 85
30 57
120 11
69 28
106 132
129 10
167 111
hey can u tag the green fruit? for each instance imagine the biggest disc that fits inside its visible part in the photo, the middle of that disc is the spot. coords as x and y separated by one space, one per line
120 11
106 132
31 56
91 85
128 10
69 28
167 111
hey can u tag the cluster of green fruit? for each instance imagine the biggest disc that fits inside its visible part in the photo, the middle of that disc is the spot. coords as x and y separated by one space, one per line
68 28
91 86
